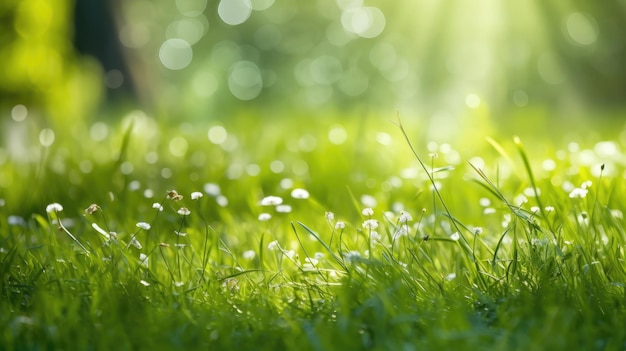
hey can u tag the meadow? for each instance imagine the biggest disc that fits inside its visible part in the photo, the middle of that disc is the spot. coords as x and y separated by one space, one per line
335 233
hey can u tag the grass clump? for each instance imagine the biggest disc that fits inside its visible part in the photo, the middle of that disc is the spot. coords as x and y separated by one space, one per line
299 249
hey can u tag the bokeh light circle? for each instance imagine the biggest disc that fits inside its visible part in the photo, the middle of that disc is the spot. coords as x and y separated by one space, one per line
175 54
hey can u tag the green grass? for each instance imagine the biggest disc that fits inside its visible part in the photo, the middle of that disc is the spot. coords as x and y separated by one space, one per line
480 262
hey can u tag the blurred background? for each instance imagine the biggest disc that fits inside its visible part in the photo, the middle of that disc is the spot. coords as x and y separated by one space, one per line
198 59
71 70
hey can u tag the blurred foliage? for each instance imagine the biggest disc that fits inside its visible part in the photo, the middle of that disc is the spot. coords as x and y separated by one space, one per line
196 58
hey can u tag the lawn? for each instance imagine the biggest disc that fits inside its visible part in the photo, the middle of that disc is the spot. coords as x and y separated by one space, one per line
344 233
315 175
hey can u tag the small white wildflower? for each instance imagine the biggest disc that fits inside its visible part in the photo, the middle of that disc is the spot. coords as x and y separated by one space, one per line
212 189
450 276
433 155
538 242
143 259
484 202
290 253
477 230
184 211
370 224
196 195
578 193
586 184
489 210
271 201
549 208
403 230
340 225
264 217
351 256
144 283
318 255
455 236
367 212
249 254
180 233
180 246
374 236
144 225
617 214
178 284
329 216
135 243
283 208
405 217
521 199
92 209
530 192
299 193
436 186
222 200
273 245
54 207
157 206
312 261
534 209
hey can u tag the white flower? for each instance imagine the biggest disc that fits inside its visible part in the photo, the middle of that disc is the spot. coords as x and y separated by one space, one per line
222 200
351 256
143 259
367 211
329 216
340 225
455 236
184 211
578 193
549 208
478 230
450 276
135 243
196 195
180 233
405 217
370 224
484 202
212 189
374 236
489 210
586 184
271 201
312 261
157 206
54 207
249 254
144 283
290 253
299 193
144 225
534 209
283 208
273 245
264 217
521 199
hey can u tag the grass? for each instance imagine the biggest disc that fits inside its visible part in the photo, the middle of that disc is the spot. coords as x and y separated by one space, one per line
392 243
